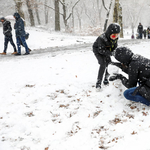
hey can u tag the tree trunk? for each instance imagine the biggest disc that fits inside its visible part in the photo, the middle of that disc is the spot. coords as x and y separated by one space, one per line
79 13
117 16
107 17
18 4
29 5
46 13
64 15
57 16
37 13
99 12
120 21
116 11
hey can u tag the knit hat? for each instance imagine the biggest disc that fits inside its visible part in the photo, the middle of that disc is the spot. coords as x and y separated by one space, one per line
2 18
124 55
113 28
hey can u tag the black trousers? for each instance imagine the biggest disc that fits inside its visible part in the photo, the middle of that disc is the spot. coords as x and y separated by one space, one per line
9 39
103 61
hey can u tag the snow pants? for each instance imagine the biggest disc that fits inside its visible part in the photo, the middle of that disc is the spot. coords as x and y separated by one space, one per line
137 98
103 61
9 39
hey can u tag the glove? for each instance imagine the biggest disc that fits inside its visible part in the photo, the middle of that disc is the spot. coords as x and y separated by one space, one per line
113 53
115 77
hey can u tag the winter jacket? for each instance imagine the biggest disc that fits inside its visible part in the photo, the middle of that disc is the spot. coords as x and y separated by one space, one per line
7 28
140 28
19 26
138 71
103 44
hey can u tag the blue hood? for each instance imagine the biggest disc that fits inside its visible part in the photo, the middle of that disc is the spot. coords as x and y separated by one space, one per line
16 15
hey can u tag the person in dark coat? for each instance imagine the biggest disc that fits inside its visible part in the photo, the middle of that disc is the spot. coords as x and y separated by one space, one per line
103 48
144 33
138 69
148 32
8 35
140 30
20 34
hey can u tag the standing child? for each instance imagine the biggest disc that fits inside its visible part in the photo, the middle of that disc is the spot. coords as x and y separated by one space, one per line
103 47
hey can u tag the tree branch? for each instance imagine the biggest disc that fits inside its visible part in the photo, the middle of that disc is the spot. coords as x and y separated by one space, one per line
52 8
104 5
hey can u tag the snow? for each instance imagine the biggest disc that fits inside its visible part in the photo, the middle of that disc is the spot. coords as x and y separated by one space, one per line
49 102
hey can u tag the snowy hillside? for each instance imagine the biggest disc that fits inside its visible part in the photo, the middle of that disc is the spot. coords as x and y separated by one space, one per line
49 102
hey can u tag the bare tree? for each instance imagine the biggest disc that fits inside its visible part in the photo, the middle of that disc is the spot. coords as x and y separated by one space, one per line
18 4
108 13
120 21
46 11
30 7
57 16
73 13
37 12
79 13
99 8
117 15
64 14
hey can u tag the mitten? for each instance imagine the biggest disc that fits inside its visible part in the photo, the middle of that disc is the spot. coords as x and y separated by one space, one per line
115 77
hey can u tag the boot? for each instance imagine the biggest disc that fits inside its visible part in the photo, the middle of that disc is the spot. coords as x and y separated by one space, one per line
18 54
3 53
26 54
14 53
106 82
29 49
98 84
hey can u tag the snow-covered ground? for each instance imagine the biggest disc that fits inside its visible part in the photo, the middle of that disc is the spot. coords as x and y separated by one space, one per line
49 102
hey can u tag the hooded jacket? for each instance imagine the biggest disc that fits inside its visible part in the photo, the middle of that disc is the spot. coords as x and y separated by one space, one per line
6 27
140 28
103 44
19 26
138 70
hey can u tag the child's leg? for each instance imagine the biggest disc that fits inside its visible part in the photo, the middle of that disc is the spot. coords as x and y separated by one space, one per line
137 98
102 62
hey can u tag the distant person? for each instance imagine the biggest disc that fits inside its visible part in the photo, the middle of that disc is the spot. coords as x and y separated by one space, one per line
140 30
132 36
103 48
8 35
20 34
148 32
138 69
144 33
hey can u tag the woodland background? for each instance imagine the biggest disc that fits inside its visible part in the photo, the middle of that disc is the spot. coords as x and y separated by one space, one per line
90 17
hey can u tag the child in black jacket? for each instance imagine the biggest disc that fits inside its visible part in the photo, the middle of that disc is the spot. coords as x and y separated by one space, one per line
103 48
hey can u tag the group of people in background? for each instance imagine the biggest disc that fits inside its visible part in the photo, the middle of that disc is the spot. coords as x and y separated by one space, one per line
21 35
143 32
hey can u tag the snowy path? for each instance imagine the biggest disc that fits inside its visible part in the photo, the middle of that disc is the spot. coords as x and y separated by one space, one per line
48 102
